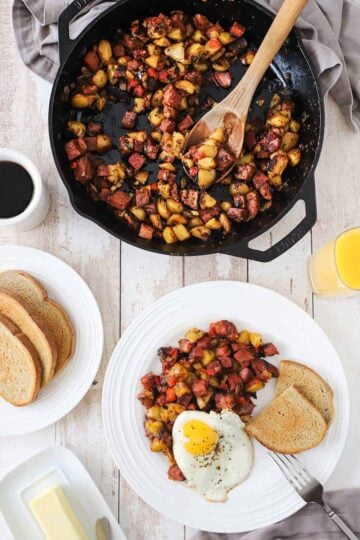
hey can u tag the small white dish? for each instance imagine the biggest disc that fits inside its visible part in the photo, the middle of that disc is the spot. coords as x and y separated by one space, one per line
63 393
57 465
38 208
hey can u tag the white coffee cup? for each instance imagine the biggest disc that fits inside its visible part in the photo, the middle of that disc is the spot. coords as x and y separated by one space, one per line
38 207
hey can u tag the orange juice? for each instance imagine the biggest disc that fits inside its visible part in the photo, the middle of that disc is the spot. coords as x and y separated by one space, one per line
335 269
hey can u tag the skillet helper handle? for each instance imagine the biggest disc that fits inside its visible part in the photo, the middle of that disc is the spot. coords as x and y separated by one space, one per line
68 15
242 249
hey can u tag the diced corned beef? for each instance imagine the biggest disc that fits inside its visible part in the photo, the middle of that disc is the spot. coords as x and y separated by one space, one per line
237 214
170 112
118 50
201 22
92 61
89 89
213 368
237 29
259 179
142 197
136 160
253 204
185 345
133 64
235 382
129 120
84 171
150 208
185 400
250 139
126 144
269 349
190 197
224 160
194 76
204 342
226 362
94 128
174 473
240 201
138 146
91 144
244 354
223 350
270 141
199 388
102 170
197 353
224 401
146 231
166 176
208 213
75 148
172 98
167 125
246 406
214 28
149 381
223 78
119 199
223 328
186 123
131 220
244 171
246 374
174 192
151 149
236 47
273 369
161 400
266 191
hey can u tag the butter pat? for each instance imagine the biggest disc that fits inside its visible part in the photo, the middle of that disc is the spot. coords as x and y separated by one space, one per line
55 515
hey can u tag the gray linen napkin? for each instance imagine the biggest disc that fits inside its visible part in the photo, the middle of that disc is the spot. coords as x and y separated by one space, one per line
330 29
310 523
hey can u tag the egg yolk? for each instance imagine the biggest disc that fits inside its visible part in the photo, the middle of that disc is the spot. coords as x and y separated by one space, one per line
201 438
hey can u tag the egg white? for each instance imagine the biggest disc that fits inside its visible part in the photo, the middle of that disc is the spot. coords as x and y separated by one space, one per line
213 475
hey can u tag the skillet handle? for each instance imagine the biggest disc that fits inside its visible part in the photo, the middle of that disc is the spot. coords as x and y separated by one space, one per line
242 249
69 13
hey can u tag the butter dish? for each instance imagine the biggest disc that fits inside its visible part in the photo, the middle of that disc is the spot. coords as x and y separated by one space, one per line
56 466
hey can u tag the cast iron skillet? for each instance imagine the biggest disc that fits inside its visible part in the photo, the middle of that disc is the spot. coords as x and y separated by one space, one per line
290 72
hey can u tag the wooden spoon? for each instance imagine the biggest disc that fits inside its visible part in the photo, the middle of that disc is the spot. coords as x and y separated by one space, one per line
232 111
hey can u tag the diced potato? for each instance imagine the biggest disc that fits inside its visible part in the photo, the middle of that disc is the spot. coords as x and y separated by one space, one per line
239 188
167 166
207 201
275 181
104 50
198 36
278 120
170 411
167 156
100 78
163 209
294 157
184 104
153 412
275 100
226 38
181 389
123 60
212 46
249 57
176 52
200 232
206 178
169 236
176 34
186 86
188 162
155 117
289 141
158 445
194 222
194 334
175 207
138 212
178 141
156 221
181 232
176 219
203 401
156 135
225 222
80 101
116 172
152 60
278 163
294 126
153 426
201 66
225 205
244 337
162 42
245 159
256 340
254 385
207 357
209 150
157 98
221 65
218 135
167 142
103 143
152 49
140 136
139 105
207 163
213 224
111 73
196 50
77 128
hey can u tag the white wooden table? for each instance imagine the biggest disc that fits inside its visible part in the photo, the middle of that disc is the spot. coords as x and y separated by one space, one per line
126 280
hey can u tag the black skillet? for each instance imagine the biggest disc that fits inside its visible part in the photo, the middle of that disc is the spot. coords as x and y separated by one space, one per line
290 73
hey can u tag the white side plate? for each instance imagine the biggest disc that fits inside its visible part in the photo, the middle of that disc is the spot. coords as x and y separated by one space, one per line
265 497
63 393
56 465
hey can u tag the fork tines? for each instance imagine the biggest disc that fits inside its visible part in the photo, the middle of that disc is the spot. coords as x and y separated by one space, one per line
293 470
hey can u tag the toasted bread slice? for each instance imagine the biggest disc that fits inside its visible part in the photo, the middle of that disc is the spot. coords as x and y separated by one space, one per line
290 424
20 313
49 311
20 366
309 383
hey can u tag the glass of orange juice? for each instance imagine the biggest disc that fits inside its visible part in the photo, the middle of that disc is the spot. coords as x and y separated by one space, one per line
334 270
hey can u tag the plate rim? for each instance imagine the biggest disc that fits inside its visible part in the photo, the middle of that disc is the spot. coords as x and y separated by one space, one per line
13 249
135 323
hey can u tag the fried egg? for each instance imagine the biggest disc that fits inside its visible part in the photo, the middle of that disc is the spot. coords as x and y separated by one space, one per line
213 452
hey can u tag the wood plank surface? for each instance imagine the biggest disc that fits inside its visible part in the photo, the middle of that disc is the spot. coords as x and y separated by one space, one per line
125 280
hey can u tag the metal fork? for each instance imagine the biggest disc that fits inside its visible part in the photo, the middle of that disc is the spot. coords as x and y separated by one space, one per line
307 487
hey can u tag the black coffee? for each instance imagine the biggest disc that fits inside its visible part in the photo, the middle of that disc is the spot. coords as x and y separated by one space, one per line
16 189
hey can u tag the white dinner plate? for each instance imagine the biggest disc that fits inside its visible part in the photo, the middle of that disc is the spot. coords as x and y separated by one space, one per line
265 497
63 393
57 465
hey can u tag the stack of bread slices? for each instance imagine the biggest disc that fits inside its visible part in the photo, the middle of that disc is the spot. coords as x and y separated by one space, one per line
36 337
300 414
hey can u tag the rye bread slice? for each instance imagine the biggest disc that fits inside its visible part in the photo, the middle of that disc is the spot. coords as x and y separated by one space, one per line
290 424
20 313
20 366
50 312
309 383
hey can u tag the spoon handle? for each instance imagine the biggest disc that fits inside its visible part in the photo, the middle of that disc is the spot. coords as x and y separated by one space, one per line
272 43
